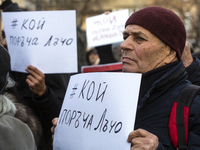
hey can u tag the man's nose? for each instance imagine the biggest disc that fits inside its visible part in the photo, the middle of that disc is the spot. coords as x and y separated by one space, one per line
122 46
125 44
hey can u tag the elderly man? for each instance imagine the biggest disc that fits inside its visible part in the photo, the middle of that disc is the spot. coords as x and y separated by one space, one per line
154 40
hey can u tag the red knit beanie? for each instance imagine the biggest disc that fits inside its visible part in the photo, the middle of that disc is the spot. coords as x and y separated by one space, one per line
164 24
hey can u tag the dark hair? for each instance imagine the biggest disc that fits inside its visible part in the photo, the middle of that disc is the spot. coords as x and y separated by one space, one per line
88 54
3 34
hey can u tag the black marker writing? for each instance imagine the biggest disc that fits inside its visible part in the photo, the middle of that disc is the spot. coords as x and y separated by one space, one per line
56 41
101 121
23 41
32 24
85 120
105 124
73 90
88 89
102 94
14 23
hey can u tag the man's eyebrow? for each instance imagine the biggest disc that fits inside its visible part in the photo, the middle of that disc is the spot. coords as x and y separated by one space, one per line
138 33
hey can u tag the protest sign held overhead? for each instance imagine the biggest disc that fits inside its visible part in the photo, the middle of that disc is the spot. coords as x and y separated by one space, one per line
97 113
44 39
106 28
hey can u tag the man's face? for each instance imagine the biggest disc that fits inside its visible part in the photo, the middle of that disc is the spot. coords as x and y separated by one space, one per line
141 50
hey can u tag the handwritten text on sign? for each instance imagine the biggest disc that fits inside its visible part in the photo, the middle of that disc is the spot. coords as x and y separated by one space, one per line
98 111
106 29
44 39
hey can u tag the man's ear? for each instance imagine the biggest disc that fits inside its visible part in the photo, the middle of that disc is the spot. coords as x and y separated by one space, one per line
171 57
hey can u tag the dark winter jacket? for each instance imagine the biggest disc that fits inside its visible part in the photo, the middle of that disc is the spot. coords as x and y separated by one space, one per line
159 89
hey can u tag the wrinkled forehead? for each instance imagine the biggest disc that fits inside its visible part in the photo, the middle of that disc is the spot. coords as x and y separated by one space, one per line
137 30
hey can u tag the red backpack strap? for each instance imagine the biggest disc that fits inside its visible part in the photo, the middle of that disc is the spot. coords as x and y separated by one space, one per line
178 119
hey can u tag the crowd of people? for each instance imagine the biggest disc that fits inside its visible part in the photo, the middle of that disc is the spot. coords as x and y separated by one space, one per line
154 45
42 93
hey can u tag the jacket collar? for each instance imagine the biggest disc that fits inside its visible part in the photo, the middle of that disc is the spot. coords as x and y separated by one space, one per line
160 80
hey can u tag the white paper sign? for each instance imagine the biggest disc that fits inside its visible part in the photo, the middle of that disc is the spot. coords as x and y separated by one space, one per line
106 29
98 112
44 39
